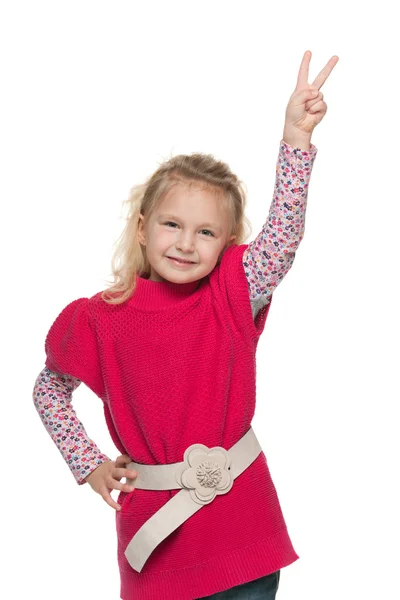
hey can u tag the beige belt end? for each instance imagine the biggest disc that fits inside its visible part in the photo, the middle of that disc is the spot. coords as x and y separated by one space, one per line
203 474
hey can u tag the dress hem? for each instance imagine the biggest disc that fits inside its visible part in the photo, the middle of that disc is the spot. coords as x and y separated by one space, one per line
219 574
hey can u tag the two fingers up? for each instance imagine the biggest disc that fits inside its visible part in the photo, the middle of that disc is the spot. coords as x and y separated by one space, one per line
306 107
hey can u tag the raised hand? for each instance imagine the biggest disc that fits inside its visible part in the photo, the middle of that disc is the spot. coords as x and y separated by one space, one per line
305 108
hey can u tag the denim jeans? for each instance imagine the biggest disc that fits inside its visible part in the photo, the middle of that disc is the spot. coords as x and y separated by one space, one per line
263 588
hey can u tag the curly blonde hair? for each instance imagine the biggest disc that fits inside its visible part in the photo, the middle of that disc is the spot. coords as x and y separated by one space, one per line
198 169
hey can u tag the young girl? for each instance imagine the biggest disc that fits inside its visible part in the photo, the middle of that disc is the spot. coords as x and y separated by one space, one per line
170 350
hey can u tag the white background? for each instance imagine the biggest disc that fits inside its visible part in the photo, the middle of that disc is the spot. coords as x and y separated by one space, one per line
94 95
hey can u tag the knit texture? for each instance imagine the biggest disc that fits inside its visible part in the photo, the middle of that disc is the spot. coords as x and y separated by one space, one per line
175 365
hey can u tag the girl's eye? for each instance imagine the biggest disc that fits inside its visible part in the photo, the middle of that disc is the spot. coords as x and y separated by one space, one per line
172 223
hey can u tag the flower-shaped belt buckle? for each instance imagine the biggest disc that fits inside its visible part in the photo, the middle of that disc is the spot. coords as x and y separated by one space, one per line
205 472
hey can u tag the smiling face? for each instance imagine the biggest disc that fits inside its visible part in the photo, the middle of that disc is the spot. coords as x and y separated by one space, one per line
189 224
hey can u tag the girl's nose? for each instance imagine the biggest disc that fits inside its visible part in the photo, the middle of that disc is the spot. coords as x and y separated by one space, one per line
185 243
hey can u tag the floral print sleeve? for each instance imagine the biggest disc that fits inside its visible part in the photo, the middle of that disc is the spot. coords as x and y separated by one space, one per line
52 396
270 255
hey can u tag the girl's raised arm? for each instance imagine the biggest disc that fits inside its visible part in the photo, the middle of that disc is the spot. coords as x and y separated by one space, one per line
269 257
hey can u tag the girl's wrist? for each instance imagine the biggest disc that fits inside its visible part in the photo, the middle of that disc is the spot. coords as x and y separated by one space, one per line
296 140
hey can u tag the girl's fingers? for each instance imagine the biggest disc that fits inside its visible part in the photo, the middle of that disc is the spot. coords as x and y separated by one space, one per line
108 498
302 76
325 72
118 473
314 101
319 106
322 76
122 460
114 484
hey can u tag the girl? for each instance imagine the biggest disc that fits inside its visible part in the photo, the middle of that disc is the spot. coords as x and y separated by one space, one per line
170 350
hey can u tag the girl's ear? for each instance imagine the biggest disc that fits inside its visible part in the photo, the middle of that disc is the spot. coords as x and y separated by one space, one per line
140 233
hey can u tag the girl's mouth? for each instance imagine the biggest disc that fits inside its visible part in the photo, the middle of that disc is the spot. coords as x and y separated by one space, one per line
183 263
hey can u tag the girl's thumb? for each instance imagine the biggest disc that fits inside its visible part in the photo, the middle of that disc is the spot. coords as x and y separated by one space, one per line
122 459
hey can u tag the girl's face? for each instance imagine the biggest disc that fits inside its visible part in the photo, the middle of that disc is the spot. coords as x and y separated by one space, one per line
188 224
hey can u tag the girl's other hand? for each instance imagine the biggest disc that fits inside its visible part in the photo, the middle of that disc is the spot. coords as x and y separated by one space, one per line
305 110
107 476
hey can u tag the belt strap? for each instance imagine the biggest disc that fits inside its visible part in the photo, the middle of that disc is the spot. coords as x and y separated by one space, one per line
203 474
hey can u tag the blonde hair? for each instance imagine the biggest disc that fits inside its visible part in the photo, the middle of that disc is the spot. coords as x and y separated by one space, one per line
197 169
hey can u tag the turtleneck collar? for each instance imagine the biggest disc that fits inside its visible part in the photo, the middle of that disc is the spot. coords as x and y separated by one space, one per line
158 294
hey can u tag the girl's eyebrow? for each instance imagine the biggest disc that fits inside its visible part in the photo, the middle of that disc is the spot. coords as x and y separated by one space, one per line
213 225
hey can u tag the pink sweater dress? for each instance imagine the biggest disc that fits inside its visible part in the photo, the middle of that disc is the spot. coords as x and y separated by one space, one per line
173 366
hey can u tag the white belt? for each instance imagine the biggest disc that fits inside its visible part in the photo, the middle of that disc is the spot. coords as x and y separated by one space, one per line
203 474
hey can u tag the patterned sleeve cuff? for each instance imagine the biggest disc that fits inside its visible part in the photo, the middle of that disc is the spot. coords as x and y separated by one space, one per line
306 154
88 464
